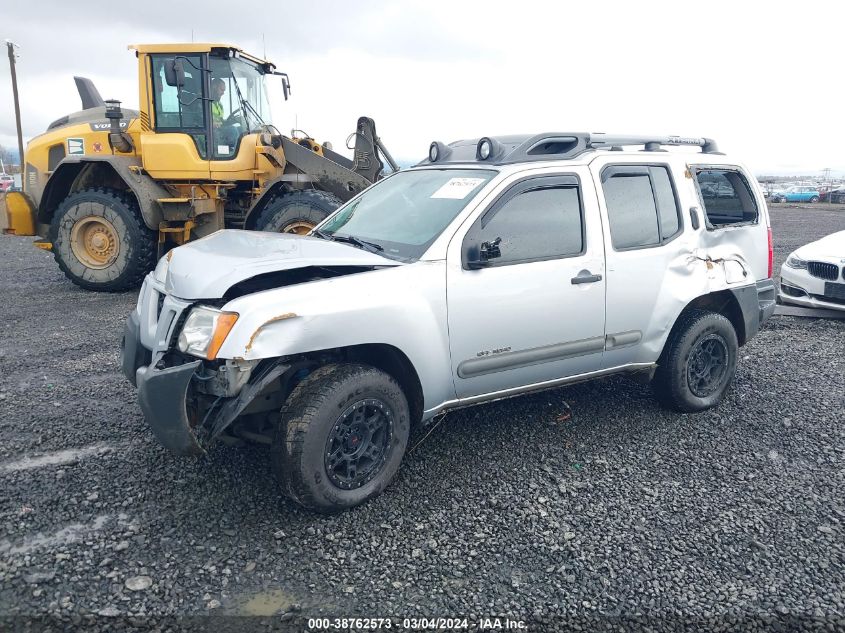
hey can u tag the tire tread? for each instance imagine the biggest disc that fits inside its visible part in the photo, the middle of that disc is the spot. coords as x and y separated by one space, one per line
146 247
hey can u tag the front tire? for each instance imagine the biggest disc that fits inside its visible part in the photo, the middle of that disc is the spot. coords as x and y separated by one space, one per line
101 242
342 435
698 363
814 199
296 211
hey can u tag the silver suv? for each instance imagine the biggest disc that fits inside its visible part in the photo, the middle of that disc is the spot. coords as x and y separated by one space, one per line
495 267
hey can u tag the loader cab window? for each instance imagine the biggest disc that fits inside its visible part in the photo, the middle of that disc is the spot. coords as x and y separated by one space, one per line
181 110
239 103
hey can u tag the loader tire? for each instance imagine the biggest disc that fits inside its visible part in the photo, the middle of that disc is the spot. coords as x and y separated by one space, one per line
342 435
296 211
101 242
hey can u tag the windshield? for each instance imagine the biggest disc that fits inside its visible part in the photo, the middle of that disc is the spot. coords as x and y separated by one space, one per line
403 214
239 103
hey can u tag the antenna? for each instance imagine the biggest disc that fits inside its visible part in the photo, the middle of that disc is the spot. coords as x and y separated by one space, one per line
264 45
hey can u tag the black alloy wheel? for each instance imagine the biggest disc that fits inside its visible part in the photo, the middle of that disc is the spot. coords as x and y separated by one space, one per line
707 365
358 444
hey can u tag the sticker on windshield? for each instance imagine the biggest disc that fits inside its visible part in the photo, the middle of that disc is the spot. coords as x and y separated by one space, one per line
457 188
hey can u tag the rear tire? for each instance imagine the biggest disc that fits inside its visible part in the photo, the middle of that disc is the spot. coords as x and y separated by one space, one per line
101 242
342 435
814 199
296 211
698 362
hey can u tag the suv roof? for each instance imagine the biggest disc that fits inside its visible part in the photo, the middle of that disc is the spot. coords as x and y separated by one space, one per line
508 150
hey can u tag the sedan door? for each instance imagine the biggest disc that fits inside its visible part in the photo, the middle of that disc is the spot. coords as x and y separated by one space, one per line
526 288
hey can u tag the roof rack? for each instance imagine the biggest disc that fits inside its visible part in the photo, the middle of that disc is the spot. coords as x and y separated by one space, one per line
651 143
502 150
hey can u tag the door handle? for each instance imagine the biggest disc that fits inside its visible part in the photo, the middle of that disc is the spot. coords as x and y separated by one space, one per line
585 277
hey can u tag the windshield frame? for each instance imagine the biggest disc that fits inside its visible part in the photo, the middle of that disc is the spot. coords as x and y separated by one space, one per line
490 173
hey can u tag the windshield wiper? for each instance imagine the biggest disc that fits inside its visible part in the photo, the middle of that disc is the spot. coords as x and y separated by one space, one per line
246 105
321 235
349 239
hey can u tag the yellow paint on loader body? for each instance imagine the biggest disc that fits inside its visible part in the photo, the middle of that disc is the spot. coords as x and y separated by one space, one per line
19 214
172 172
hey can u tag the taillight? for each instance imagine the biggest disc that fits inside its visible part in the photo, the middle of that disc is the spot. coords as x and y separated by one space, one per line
771 254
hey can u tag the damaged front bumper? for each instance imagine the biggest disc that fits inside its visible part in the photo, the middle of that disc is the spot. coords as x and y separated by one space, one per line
173 398
162 394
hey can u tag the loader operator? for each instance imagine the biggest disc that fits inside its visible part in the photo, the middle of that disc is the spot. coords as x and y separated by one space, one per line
218 88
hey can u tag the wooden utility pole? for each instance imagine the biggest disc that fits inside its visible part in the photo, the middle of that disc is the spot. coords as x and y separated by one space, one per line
11 46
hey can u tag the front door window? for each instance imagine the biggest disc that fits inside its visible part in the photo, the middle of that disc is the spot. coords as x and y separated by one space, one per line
180 109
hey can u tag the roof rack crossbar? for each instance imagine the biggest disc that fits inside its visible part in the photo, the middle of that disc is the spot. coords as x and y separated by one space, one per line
708 145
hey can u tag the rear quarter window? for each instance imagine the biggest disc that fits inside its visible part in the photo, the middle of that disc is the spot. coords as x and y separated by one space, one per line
726 196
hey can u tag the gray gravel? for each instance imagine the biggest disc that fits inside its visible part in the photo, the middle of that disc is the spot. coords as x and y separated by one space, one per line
620 515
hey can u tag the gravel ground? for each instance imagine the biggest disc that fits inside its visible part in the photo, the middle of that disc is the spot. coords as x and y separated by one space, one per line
622 514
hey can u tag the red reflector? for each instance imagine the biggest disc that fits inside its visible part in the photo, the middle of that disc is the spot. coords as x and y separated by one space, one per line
771 254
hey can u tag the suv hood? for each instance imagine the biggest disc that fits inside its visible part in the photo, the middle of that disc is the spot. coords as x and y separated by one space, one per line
207 268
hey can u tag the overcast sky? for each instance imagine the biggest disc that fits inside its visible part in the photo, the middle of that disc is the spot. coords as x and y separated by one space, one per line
762 78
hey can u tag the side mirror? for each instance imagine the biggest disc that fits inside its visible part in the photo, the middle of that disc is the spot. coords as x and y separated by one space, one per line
174 73
480 256
286 87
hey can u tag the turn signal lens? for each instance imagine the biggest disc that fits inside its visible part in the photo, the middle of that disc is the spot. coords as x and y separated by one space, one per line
225 323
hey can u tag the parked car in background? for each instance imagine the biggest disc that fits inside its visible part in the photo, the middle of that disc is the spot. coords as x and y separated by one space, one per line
796 193
717 190
6 182
834 195
814 275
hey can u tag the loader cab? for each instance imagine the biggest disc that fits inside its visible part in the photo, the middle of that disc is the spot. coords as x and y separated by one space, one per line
206 104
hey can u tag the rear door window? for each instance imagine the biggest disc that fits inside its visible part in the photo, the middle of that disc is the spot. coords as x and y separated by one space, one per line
641 205
726 196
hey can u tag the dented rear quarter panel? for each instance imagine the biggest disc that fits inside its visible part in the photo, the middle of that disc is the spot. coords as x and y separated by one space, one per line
374 307
648 288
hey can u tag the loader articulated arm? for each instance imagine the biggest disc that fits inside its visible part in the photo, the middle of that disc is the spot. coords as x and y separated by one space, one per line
368 147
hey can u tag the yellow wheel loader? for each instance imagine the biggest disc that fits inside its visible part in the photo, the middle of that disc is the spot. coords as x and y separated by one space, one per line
110 190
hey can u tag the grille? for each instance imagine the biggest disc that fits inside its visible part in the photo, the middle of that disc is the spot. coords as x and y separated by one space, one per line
823 270
174 335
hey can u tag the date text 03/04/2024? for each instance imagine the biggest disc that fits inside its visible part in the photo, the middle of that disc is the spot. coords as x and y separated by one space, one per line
417 624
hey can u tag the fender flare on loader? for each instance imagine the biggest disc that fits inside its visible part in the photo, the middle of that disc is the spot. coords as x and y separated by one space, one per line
71 173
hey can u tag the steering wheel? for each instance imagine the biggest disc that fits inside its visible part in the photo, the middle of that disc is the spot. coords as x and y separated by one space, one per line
231 120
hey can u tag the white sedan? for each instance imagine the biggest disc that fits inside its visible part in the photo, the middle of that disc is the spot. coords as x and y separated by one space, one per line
814 275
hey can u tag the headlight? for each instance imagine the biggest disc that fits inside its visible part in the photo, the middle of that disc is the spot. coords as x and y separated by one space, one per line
796 262
204 331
